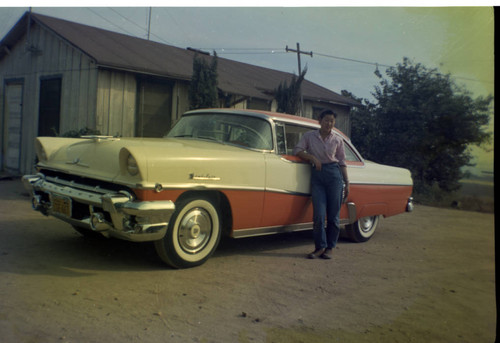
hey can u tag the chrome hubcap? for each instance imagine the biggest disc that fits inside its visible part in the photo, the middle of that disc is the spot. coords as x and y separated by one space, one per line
366 224
195 230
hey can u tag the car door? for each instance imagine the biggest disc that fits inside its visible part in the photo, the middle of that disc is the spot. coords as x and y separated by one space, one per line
287 198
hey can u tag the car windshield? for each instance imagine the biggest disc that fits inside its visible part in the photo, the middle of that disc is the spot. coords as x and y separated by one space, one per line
250 132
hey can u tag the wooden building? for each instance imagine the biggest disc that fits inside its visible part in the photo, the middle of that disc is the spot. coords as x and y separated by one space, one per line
57 76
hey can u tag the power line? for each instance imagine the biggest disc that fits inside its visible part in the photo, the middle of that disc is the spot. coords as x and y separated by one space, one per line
246 51
122 29
140 27
269 51
127 19
264 51
109 21
352 60
249 53
173 19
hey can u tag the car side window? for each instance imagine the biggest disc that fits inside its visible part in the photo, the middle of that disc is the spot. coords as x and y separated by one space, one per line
288 136
281 139
350 155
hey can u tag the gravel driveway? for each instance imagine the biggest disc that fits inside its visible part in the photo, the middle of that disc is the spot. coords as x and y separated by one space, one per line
426 276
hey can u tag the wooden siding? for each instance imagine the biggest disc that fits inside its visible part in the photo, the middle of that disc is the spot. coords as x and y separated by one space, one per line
116 103
180 100
47 56
94 96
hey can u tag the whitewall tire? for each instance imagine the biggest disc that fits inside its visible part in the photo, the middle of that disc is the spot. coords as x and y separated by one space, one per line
193 233
363 229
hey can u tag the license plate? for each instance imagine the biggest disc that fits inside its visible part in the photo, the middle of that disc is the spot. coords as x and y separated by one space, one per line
61 205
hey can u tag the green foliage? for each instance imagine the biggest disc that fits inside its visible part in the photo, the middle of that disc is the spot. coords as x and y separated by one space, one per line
422 121
82 132
203 92
288 96
363 125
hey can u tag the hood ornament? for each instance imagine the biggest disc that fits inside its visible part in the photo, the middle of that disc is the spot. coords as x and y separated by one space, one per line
99 138
78 162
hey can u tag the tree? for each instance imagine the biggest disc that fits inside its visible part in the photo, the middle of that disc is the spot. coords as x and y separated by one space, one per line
288 96
203 92
422 121
363 125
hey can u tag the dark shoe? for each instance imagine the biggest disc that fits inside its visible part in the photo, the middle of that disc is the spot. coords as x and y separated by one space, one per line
315 254
327 254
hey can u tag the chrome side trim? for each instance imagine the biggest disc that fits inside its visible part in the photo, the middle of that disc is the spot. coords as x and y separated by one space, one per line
271 230
242 233
262 231
206 177
380 184
202 186
284 191
196 186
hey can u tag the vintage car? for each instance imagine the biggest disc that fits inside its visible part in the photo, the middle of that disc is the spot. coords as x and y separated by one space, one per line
217 172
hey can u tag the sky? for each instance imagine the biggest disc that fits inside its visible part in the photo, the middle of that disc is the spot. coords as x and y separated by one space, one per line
347 43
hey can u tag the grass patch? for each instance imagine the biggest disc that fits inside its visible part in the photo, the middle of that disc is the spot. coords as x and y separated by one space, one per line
474 195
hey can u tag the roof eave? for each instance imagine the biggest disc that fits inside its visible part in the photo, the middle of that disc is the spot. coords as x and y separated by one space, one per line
142 71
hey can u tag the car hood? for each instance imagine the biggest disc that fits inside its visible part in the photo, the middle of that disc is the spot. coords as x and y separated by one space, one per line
105 158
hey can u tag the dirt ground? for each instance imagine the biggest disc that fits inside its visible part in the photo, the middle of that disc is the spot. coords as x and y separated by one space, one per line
426 276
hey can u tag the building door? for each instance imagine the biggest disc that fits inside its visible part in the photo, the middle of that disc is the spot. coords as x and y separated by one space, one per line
49 112
154 113
13 111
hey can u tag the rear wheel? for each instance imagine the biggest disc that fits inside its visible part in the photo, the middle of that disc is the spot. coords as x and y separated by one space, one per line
193 233
363 229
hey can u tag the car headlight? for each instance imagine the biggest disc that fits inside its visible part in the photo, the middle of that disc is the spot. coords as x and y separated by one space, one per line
132 167
40 151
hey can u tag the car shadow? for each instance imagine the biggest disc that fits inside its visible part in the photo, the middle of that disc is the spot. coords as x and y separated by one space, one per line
48 246
283 245
35 244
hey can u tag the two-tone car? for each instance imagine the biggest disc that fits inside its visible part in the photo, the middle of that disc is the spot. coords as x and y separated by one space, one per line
217 172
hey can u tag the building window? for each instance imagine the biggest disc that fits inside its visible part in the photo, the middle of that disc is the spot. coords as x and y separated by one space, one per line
49 110
154 112
258 104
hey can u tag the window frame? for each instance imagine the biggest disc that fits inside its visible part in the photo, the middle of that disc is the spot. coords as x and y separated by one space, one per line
351 151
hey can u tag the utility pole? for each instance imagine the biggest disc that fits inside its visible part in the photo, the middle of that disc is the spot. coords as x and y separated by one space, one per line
149 23
300 71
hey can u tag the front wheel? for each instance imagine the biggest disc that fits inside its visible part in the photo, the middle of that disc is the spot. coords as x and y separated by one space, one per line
363 229
193 233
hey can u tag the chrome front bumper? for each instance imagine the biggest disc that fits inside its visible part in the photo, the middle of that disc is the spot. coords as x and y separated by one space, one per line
114 214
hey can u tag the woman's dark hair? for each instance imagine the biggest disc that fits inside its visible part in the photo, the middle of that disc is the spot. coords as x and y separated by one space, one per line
327 113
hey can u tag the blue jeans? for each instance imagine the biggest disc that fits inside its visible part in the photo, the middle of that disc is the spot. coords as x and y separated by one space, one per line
326 191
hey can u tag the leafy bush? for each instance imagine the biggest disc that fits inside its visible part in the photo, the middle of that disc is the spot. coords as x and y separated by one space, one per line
82 132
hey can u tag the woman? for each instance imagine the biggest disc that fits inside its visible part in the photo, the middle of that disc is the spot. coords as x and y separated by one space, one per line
325 151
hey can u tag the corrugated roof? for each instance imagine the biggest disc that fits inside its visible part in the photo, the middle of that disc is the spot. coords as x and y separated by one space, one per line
119 51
